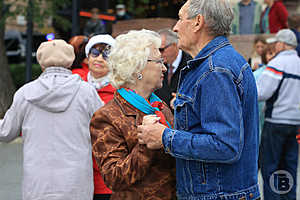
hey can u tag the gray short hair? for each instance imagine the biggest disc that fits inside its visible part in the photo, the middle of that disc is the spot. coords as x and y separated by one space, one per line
130 55
218 14
171 36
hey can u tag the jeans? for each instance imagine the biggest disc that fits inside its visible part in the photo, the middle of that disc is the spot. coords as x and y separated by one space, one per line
279 151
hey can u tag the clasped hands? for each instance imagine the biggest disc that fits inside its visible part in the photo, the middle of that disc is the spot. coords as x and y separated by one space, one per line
150 132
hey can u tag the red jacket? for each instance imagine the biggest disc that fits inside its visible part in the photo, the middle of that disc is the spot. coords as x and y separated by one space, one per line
106 94
82 72
278 16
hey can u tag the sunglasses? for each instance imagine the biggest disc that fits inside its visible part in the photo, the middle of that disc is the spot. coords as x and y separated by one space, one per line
96 52
164 48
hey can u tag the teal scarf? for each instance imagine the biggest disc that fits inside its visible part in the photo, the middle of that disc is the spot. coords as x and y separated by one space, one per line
153 106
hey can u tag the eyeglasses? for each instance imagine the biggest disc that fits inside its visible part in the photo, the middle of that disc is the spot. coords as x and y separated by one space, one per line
164 48
96 52
159 61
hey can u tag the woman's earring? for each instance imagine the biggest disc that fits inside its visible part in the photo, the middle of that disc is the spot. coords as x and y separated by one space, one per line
139 76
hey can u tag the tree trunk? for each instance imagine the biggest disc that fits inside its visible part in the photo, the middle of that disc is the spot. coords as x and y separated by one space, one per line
7 88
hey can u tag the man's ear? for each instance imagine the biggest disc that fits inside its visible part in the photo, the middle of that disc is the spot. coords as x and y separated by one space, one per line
199 22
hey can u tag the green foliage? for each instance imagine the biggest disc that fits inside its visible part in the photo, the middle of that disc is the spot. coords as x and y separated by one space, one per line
56 5
4 13
41 10
18 73
138 7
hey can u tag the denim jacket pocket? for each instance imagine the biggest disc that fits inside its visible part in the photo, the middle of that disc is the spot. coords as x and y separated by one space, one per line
181 105
201 168
195 177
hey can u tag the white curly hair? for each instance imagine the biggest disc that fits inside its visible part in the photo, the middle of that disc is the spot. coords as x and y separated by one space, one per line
130 54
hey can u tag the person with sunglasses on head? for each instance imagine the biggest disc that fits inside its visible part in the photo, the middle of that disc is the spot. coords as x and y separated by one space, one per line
97 50
175 60
130 169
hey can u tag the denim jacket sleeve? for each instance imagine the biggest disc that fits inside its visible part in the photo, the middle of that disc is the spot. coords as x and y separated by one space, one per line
215 132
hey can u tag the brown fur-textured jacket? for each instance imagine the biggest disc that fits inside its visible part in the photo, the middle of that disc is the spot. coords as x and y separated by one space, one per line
132 171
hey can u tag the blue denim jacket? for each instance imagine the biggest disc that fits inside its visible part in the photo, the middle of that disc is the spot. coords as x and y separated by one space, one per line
215 139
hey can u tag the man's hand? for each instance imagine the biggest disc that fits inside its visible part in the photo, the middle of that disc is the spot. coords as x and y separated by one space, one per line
150 133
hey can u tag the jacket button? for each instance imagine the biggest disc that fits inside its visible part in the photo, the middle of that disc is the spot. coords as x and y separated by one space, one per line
251 195
168 150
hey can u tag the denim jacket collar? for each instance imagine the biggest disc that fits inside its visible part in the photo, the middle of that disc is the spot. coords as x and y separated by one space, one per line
211 47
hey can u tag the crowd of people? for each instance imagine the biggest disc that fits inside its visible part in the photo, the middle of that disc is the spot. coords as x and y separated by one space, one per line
251 19
172 114
96 25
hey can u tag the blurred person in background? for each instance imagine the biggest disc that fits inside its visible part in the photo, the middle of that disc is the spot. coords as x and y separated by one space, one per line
54 113
94 26
274 17
268 53
130 169
279 86
246 17
258 48
80 64
175 60
121 12
294 25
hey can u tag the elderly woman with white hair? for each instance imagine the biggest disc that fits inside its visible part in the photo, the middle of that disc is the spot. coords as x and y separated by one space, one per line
128 167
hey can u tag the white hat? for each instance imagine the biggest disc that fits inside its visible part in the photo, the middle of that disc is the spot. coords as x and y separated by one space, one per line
286 36
98 39
120 6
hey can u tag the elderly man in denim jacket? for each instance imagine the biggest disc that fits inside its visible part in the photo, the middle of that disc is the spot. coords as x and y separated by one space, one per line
215 138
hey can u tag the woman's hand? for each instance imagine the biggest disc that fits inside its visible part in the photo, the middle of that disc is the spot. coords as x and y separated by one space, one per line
172 100
150 119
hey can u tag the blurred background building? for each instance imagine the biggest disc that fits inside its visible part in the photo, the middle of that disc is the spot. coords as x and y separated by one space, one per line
143 12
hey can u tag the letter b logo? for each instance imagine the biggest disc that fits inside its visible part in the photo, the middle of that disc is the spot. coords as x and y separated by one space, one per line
281 182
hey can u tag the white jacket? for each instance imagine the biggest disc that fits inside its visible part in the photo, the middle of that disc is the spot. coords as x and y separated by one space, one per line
53 113
279 86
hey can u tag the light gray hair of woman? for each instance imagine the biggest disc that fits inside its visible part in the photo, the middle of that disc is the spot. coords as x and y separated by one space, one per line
130 54
171 36
218 15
